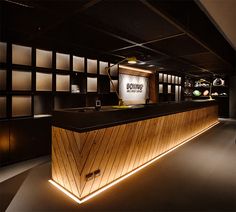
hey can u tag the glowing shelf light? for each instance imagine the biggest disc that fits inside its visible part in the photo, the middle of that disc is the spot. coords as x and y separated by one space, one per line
80 201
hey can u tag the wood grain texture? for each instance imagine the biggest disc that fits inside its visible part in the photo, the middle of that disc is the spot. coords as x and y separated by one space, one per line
133 72
153 88
118 150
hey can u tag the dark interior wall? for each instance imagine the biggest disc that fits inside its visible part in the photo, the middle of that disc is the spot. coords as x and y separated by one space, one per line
232 94
23 139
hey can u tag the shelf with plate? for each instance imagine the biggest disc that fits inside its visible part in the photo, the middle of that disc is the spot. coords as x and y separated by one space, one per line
219 91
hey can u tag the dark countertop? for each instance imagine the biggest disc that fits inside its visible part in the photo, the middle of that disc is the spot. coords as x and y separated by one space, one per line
86 119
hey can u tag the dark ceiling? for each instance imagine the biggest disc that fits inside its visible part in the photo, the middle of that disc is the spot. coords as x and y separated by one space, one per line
176 36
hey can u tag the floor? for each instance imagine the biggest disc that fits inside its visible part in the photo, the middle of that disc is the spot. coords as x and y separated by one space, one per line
198 176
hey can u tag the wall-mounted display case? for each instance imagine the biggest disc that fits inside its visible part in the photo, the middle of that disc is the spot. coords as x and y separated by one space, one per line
199 88
21 80
169 77
114 70
3 106
169 87
3 79
165 79
42 74
21 55
173 79
21 106
62 61
160 88
115 83
78 64
160 77
102 67
91 84
43 81
92 66
3 52
62 82
42 104
43 58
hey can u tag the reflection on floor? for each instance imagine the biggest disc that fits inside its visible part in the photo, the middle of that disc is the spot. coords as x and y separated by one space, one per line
10 171
199 176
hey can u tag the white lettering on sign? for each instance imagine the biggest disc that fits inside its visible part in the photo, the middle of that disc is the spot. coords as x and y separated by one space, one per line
133 89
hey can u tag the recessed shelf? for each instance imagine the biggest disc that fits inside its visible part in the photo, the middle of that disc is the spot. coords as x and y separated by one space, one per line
177 93
42 104
21 106
102 66
169 78
3 79
176 80
180 80
160 88
91 66
62 82
3 106
21 80
114 70
78 64
21 55
115 82
164 77
169 89
91 84
160 77
43 82
173 79
63 61
3 52
43 58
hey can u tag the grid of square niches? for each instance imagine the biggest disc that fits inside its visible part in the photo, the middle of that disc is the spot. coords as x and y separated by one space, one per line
34 73
170 85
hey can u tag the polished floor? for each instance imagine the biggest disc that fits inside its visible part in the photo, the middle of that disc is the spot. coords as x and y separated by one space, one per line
198 176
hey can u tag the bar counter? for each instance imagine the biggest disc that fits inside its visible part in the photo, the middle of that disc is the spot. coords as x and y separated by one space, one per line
93 149
88 118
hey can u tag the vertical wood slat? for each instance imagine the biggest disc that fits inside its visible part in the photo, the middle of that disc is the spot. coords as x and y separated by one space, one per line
120 149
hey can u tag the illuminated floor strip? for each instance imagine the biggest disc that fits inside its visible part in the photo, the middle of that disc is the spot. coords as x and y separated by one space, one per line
127 175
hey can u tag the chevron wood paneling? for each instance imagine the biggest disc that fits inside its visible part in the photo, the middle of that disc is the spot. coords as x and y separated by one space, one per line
116 151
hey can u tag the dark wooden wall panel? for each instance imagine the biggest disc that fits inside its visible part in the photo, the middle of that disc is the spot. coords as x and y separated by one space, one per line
4 142
22 139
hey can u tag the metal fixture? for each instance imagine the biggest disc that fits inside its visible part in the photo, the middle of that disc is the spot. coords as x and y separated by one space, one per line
130 60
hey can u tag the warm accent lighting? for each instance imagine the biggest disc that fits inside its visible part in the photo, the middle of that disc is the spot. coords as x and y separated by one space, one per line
127 175
136 69
131 60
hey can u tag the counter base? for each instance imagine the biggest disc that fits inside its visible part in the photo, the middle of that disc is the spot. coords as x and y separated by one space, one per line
87 163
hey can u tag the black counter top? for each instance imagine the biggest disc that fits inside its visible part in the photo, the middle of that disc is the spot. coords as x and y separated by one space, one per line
86 119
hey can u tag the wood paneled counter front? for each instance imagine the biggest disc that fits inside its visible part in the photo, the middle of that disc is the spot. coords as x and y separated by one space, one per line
93 149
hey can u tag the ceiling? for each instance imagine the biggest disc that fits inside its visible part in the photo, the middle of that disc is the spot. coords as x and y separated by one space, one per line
153 31
223 14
